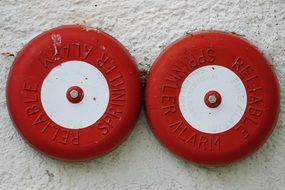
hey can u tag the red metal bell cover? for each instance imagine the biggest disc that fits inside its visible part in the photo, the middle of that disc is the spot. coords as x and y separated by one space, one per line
212 98
74 93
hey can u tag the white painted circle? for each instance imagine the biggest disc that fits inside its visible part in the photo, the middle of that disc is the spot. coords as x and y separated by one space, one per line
227 84
60 109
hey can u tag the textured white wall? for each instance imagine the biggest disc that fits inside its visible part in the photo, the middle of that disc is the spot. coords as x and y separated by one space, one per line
145 27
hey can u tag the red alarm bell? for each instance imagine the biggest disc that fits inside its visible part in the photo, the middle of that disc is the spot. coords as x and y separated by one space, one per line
74 93
212 98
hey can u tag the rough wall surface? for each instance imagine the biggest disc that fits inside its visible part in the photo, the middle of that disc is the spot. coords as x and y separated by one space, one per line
145 27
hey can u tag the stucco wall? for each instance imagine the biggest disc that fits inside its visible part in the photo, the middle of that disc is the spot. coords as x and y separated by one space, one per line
145 27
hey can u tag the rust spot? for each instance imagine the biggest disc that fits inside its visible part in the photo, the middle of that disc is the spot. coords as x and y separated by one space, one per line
8 54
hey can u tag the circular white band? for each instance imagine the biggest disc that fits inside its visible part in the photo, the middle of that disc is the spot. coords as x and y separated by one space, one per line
198 114
75 115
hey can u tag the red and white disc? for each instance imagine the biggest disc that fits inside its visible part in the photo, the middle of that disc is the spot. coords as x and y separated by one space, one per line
74 93
212 98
